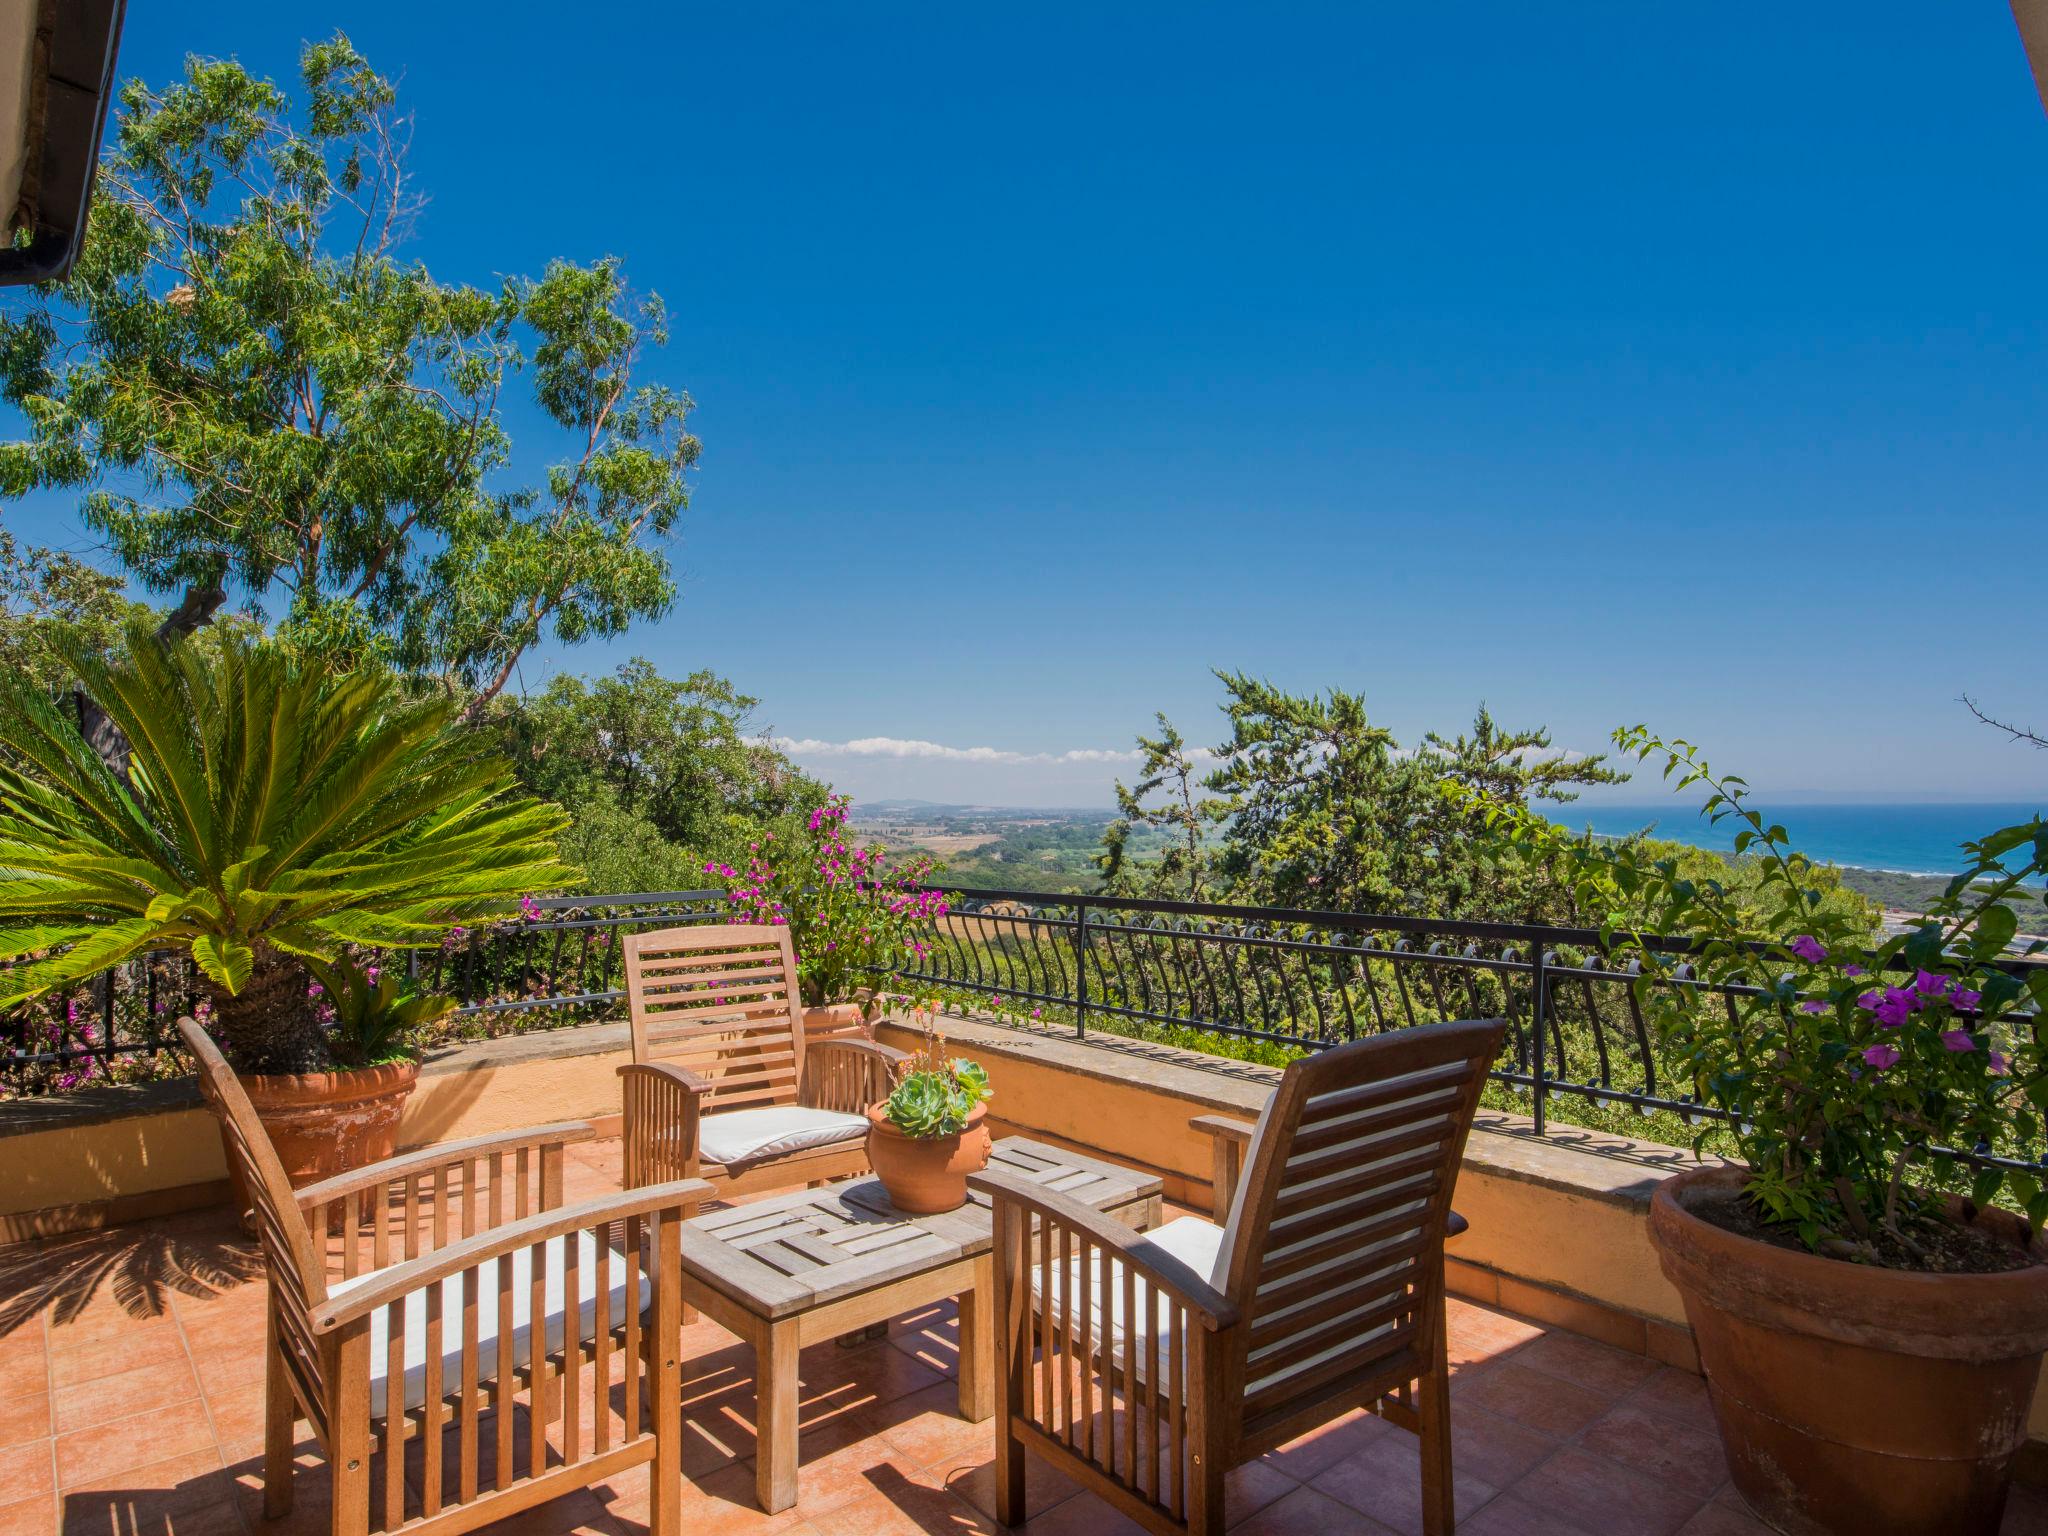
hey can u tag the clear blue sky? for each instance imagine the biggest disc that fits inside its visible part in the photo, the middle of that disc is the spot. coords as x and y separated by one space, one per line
1603 362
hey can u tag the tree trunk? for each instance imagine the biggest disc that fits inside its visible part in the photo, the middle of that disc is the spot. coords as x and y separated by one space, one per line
271 1025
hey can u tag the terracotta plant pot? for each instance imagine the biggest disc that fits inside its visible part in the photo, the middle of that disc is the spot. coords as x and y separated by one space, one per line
927 1174
832 1021
1851 1398
324 1123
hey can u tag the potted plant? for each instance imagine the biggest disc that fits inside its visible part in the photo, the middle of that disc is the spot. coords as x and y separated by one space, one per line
929 1134
1870 1324
855 916
271 819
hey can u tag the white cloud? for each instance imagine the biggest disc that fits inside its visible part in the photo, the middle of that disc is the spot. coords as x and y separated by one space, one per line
934 751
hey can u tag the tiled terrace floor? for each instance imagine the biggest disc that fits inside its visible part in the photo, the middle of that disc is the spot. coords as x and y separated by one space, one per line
131 1387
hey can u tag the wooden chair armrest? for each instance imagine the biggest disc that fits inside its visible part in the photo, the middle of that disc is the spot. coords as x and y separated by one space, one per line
1147 1258
1228 1141
397 1281
444 1155
874 1048
682 1077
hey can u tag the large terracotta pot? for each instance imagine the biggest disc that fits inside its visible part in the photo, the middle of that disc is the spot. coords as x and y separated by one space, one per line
1853 1399
831 1021
324 1123
927 1174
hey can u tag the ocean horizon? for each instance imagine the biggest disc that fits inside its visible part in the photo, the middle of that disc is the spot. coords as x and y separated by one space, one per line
1910 839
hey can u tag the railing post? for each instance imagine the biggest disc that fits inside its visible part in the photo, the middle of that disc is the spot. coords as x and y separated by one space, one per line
1538 1012
1080 970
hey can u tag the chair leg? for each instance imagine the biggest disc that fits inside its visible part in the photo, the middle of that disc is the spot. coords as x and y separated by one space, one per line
1010 1509
280 1416
1433 1409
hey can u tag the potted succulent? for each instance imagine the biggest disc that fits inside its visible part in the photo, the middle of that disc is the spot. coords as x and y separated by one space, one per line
271 819
856 917
929 1134
1870 1323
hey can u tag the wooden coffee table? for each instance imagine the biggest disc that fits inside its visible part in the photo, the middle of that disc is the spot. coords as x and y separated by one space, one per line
814 1264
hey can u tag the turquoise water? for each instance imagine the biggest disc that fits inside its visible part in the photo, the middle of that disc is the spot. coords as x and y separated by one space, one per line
1912 839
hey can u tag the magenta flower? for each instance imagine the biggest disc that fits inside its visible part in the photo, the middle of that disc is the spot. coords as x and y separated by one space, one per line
1963 1000
1813 1005
1891 1006
1927 984
1854 970
1881 1056
1809 949
1959 1040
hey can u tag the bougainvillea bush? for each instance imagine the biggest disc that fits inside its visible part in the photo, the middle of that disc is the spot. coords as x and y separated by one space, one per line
1841 1060
856 916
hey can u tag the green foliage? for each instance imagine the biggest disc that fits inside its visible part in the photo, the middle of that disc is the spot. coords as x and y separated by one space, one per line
1184 821
1837 1078
374 1014
256 393
48 599
934 1094
671 768
271 812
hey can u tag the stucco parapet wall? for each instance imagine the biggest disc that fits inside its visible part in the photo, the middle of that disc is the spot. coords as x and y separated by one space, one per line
1595 1165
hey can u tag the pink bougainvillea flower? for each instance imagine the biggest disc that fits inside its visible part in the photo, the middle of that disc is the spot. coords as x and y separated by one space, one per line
1869 999
1959 1040
1927 984
1963 1000
1854 970
1813 1005
1881 1056
1809 949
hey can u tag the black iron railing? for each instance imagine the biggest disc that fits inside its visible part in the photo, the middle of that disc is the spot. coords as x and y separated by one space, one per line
1292 979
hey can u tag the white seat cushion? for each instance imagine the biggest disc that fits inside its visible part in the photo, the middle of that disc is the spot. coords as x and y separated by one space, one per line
1195 1242
747 1135
521 1262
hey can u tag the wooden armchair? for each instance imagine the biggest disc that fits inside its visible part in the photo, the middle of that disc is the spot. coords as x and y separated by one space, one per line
723 1084
453 1276
1146 1367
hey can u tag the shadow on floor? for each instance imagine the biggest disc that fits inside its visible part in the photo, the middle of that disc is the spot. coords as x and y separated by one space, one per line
138 1266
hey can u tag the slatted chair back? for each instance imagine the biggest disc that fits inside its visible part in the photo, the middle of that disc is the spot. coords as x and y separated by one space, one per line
1334 1235
721 1002
298 1272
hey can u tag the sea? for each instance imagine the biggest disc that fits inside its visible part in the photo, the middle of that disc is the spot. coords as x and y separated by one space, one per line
1907 839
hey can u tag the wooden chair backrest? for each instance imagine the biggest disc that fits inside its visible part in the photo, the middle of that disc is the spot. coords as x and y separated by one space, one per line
298 1274
722 1002
1335 1239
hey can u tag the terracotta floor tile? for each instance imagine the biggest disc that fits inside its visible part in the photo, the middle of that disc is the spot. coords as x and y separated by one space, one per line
1586 1362
24 1418
905 1506
718 1504
1306 1512
1494 1449
1719 1519
145 1389
1662 1447
1512 1515
1605 1498
110 1449
1251 1486
1478 1334
1045 1486
1324 1446
1082 1515
110 1357
30 1517
25 1471
838 1477
1678 1395
1384 1481
1532 1398
926 1427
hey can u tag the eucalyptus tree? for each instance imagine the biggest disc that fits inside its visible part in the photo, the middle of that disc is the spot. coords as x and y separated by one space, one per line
254 392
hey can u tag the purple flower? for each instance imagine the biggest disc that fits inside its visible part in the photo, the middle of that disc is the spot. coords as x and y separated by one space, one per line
1999 1064
1809 949
1963 1000
1813 1005
1854 970
1881 1056
1959 1040
1927 984
314 989
1891 1005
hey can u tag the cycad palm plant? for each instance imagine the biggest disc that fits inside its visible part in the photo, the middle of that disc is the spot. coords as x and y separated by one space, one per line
270 813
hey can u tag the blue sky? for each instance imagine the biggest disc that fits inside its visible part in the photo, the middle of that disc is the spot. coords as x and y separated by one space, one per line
1603 362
